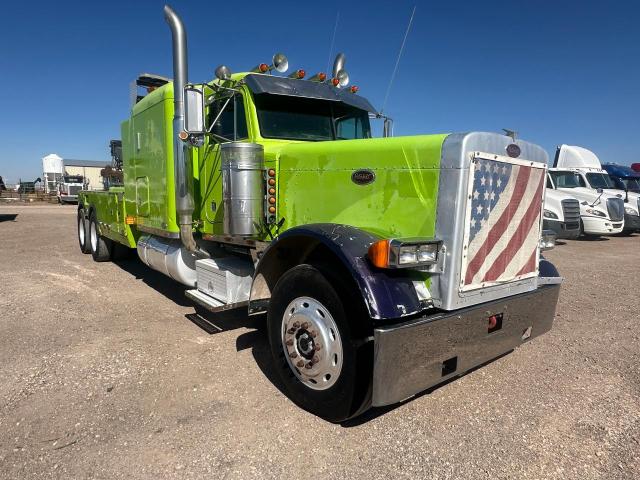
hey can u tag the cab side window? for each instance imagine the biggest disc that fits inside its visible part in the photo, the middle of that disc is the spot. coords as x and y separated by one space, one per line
549 182
232 123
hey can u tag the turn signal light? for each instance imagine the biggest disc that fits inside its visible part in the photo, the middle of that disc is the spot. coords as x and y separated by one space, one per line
271 172
272 200
130 220
272 209
379 253
272 182
272 191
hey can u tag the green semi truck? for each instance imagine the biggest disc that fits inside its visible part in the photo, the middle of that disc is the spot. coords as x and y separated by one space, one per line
385 266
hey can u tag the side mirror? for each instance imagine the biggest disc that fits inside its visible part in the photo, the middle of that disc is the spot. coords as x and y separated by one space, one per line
599 190
194 110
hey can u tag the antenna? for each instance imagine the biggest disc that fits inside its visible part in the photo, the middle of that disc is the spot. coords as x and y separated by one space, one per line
395 69
333 39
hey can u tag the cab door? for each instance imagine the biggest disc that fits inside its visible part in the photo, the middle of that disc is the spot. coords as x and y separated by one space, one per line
230 125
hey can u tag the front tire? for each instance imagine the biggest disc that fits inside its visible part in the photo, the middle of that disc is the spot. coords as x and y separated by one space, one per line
325 369
100 246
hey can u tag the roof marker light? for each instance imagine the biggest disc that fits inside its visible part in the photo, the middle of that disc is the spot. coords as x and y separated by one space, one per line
319 77
354 89
299 74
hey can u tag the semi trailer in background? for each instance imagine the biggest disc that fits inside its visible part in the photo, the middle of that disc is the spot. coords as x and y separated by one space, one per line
384 265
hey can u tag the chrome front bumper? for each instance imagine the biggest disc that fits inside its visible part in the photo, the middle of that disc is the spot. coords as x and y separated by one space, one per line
413 356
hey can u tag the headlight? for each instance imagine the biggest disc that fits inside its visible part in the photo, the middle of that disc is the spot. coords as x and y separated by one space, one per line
547 240
630 211
550 214
595 212
399 253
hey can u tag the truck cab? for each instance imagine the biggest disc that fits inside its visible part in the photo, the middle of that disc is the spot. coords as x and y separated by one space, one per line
561 213
69 187
591 175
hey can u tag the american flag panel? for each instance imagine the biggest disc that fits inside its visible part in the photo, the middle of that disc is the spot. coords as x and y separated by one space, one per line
504 215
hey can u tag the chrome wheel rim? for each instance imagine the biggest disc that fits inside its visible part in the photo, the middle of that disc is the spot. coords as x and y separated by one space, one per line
94 236
311 343
81 230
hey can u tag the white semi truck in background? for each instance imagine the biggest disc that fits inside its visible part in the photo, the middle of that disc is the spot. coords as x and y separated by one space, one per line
561 213
68 188
578 172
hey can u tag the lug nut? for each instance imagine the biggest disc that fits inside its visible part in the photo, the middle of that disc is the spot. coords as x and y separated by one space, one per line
317 347
314 334
316 359
293 354
305 325
291 331
289 342
308 365
296 324
300 364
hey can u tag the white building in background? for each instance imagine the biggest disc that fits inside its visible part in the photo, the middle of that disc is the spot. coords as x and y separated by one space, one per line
52 169
55 167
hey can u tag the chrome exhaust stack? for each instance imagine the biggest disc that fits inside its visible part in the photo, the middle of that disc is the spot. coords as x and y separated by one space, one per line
184 199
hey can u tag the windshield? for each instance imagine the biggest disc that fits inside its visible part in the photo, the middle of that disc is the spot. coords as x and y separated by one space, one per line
600 180
73 179
566 179
631 183
296 118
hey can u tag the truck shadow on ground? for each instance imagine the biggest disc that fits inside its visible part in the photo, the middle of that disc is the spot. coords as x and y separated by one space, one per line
255 339
212 323
8 217
168 287
587 238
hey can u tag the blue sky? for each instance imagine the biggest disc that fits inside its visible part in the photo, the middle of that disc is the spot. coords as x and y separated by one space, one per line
556 71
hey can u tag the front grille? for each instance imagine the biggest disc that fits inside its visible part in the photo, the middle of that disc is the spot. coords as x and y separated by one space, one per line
615 207
571 211
73 189
503 229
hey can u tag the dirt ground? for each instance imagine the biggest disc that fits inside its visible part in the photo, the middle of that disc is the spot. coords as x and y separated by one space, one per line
104 374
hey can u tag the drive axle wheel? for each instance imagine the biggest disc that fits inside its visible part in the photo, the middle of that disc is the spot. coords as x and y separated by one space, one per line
83 232
100 246
325 369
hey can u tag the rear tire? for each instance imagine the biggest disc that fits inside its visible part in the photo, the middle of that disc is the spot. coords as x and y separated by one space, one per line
324 367
100 246
83 232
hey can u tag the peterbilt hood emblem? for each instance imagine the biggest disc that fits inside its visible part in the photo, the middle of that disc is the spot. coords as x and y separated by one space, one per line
513 150
363 177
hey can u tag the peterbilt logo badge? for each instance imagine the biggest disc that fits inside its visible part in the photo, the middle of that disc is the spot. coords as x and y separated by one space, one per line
363 177
513 150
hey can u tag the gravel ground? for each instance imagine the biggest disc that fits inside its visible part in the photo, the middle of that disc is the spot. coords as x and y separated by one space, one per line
104 375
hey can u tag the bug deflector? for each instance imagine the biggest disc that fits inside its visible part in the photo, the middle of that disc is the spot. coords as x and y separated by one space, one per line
503 221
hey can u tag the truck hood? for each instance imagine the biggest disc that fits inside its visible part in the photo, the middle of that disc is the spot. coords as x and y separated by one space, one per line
387 186
588 195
